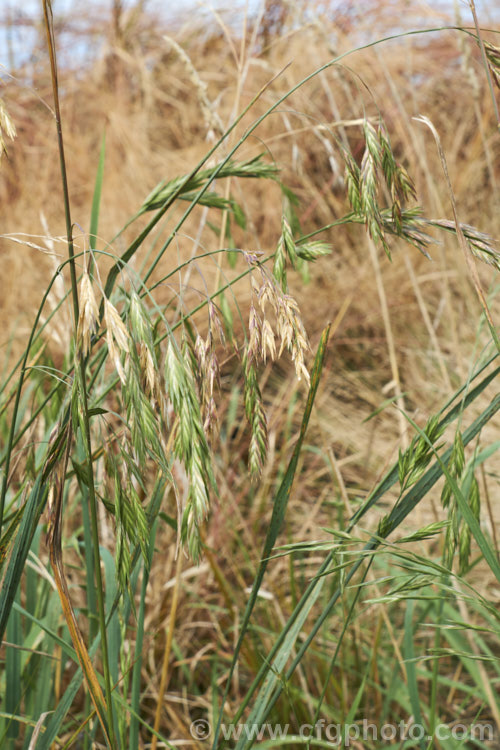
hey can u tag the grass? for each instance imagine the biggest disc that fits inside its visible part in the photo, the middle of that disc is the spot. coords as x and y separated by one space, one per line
249 456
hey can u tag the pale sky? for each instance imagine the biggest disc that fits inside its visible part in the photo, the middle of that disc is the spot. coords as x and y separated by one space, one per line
19 45
21 39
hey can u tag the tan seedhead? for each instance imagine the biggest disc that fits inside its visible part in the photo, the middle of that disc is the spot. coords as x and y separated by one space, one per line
293 334
208 378
117 336
148 368
290 328
254 329
89 315
267 341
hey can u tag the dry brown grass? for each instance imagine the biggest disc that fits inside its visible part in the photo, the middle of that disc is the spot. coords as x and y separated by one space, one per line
138 92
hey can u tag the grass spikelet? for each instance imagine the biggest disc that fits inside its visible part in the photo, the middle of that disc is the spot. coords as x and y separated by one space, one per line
190 445
353 181
279 267
373 144
493 57
398 180
89 314
133 399
289 325
254 329
369 185
288 241
465 538
481 245
364 185
267 341
116 326
185 187
149 368
140 323
256 417
117 337
415 460
141 328
311 251
388 161
123 557
409 226
215 322
208 378
129 515
293 334
459 533
286 248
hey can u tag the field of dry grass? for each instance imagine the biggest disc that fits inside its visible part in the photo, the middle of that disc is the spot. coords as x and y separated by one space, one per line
408 330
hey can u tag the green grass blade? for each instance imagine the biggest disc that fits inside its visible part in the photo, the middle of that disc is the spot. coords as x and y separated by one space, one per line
273 683
41 679
32 579
112 623
31 516
135 696
13 672
96 200
411 670
351 716
51 632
